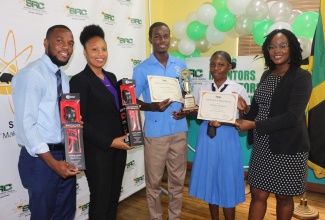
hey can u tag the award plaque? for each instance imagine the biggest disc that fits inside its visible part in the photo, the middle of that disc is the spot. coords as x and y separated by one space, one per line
189 101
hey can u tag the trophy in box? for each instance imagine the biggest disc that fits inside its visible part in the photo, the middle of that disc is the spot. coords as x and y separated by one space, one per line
189 101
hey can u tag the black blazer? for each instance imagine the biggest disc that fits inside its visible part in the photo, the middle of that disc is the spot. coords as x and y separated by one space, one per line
99 113
286 122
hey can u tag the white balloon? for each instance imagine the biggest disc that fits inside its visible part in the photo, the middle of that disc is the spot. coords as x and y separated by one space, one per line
269 4
244 26
237 7
294 14
232 33
215 36
179 29
280 25
257 10
191 17
280 11
206 13
305 45
186 46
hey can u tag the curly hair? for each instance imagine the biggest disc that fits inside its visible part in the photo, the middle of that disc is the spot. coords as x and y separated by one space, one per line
91 31
294 47
226 56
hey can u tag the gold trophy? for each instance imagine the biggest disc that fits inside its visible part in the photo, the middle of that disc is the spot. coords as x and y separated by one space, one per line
189 101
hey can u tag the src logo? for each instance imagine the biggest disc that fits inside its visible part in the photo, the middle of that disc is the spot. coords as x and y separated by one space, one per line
34 4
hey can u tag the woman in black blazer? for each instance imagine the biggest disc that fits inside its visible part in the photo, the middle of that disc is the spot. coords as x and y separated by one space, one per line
277 127
105 149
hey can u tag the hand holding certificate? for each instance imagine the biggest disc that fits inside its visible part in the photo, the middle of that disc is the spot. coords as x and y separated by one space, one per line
162 88
221 107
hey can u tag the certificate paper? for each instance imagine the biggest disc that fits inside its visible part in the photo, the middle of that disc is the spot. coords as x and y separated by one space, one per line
162 88
218 106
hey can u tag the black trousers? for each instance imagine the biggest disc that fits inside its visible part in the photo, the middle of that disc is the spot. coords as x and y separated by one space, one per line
104 172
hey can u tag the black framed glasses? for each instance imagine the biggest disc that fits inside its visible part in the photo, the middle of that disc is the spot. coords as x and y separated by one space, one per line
281 47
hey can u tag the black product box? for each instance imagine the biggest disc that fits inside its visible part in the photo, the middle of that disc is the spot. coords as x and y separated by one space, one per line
71 121
127 91
131 123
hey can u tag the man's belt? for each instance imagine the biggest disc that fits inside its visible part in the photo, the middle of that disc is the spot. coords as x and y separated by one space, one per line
54 147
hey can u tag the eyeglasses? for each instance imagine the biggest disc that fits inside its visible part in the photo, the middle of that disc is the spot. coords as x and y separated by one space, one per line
281 47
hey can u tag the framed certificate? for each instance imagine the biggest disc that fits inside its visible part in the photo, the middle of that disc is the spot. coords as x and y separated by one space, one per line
218 106
162 88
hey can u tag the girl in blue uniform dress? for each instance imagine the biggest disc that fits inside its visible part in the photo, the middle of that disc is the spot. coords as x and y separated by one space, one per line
217 173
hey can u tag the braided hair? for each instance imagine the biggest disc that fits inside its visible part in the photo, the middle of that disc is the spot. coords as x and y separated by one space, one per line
294 47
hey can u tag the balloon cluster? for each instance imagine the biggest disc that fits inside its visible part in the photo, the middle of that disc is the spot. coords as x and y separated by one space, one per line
212 22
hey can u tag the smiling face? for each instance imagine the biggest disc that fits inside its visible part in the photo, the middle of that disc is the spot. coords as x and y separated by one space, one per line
160 39
59 46
219 67
279 49
96 52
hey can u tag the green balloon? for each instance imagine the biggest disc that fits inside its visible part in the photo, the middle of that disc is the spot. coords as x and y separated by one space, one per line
257 23
178 55
196 53
261 30
224 21
219 4
196 30
305 24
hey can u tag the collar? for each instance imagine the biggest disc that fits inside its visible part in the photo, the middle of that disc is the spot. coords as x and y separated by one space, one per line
46 59
153 59
228 81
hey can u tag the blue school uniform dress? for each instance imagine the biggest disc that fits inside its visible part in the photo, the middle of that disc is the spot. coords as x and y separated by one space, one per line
217 173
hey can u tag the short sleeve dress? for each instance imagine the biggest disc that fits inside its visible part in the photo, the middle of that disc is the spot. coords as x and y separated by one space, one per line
217 174
276 173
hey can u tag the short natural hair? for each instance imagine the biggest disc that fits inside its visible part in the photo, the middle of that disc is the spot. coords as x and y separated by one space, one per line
156 24
51 29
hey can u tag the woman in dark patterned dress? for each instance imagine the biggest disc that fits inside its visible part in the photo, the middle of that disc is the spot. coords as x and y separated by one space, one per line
277 127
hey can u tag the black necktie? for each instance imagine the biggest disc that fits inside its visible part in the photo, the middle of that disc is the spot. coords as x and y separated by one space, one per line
212 130
59 84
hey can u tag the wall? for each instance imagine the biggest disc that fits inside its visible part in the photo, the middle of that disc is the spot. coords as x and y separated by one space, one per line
170 11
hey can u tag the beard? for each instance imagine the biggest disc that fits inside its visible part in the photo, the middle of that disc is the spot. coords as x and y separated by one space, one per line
54 58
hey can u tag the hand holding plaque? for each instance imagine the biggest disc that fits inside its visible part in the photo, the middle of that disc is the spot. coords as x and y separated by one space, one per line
189 101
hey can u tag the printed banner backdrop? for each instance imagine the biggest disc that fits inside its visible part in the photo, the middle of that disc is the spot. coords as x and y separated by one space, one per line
248 72
22 31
